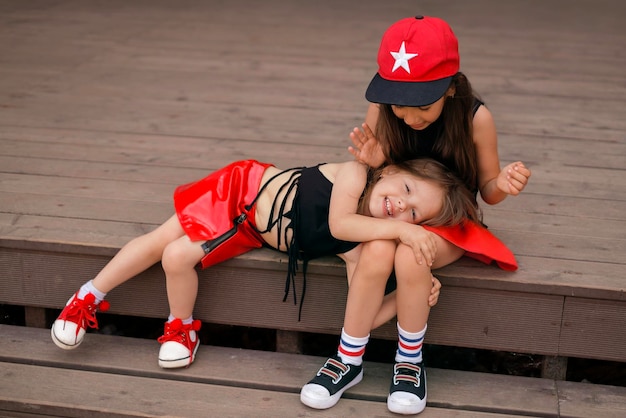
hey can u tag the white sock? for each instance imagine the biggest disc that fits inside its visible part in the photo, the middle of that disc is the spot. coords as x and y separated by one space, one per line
351 349
410 345
90 288
184 321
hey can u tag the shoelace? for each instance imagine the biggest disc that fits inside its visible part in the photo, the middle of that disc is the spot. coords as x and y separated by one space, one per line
333 369
83 312
407 372
177 331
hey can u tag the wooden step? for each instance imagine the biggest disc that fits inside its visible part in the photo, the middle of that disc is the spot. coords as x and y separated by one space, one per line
118 376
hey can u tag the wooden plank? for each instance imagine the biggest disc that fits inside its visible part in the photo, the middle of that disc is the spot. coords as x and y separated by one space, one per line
529 322
76 393
558 152
536 275
582 400
106 200
521 322
278 372
594 329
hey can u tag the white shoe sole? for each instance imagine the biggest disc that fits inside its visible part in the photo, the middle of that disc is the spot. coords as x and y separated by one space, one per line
178 363
325 403
60 343
405 408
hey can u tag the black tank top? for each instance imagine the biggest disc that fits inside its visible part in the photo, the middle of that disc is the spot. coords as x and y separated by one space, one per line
308 222
313 235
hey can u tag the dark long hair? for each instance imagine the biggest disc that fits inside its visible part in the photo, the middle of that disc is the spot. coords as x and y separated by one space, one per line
458 201
455 145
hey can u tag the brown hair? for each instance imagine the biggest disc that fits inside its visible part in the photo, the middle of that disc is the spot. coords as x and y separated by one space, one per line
455 146
458 202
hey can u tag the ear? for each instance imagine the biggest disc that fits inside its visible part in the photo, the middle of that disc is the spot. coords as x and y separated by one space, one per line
451 91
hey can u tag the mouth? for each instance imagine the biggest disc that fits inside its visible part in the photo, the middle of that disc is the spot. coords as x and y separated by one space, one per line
388 207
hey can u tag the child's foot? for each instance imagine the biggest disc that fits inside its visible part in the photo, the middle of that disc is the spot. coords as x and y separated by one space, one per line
179 344
334 378
407 394
68 331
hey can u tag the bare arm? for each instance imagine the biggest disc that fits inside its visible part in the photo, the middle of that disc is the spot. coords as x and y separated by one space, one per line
495 184
346 224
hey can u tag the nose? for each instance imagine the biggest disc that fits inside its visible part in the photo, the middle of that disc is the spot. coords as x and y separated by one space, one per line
400 205
411 118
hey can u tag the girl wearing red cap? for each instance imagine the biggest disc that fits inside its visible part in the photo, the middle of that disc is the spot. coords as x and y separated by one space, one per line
421 106
307 212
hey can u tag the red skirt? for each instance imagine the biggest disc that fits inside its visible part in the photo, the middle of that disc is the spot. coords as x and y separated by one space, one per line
478 243
208 208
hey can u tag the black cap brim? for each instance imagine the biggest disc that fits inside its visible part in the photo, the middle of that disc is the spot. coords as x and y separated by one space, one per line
406 93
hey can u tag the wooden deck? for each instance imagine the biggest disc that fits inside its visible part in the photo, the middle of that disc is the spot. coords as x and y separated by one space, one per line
230 382
106 106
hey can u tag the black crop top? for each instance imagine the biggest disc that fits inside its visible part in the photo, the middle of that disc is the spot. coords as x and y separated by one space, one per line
307 221
312 232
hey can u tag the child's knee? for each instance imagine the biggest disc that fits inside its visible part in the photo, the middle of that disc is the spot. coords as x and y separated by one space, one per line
175 258
379 249
377 257
407 268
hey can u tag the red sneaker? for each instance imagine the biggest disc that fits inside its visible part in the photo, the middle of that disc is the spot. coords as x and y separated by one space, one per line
68 331
179 344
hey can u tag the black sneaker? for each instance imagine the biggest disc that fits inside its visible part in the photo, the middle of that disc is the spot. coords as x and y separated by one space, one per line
334 378
407 394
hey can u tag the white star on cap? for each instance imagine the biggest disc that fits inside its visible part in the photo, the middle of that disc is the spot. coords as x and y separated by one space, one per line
402 59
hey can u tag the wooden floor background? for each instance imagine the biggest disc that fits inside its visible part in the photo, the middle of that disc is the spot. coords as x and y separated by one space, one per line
106 106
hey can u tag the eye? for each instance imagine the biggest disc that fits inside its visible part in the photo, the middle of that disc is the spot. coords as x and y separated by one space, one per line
424 108
406 186
413 215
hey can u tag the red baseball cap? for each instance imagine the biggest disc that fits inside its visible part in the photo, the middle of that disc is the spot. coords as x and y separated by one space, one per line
417 58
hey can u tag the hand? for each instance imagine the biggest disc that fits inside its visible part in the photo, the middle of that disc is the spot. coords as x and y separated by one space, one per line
421 241
367 149
513 178
434 292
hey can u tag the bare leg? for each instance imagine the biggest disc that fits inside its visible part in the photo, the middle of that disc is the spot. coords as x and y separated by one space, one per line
137 255
179 261
414 284
447 253
180 342
367 287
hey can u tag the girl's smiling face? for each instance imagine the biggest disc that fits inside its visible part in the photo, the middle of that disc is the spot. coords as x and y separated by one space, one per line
402 196
419 118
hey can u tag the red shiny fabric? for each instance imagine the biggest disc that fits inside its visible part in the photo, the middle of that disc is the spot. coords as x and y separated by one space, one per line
207 208
479 243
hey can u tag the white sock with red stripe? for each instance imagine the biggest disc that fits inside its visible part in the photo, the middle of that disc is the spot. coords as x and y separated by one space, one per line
410 345
351 349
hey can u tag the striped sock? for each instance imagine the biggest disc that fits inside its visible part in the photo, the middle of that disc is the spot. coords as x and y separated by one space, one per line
410 345
351 349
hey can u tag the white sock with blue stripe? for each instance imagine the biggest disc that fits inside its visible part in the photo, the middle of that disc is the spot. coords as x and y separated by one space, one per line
410 345
351 349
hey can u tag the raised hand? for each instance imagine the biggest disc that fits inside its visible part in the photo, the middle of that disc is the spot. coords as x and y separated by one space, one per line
513 178
366 149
